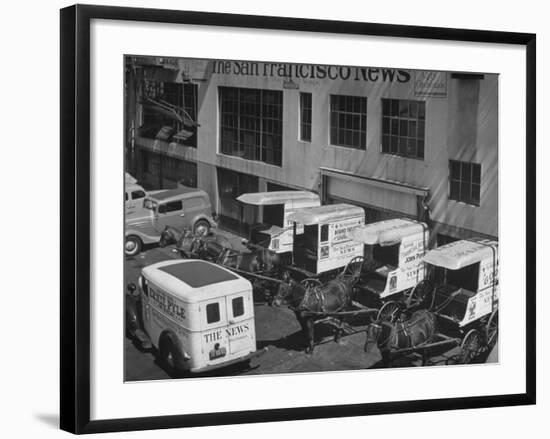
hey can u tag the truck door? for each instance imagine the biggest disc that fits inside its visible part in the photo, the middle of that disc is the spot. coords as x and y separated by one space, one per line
240 331
215 346
134 200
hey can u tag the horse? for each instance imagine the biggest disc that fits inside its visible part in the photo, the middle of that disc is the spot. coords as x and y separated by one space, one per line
251 262
404 334
170 235
312 303
207 247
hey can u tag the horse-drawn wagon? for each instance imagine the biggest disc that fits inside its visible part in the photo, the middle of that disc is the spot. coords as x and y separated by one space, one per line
461 290
393 263
275 232
324 247
259 265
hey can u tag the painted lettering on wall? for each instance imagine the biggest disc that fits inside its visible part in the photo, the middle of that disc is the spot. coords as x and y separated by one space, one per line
429 83
310 71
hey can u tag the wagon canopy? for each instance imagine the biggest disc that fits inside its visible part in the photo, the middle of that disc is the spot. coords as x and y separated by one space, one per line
388 232
326 214
277 197
460 254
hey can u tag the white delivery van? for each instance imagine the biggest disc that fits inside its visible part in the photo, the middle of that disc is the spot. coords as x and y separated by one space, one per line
199 316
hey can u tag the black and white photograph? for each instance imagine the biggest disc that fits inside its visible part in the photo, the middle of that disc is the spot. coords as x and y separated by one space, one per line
284 218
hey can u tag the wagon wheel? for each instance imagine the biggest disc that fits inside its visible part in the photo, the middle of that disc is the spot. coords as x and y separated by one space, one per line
311 282
420 294
389 312
470 347
491 330
354 267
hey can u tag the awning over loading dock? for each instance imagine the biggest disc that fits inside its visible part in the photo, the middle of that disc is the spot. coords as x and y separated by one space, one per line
374 192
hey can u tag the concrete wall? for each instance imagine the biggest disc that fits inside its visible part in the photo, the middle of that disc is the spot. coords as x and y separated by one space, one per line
461 125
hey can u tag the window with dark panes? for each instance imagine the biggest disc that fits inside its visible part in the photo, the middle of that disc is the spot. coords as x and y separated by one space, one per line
348 121
465 182
305 117
136 195
403 127
251 124
238 306
324 233
171 206
213 312
169 112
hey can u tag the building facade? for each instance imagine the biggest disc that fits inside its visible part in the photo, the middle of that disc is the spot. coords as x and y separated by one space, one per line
397 142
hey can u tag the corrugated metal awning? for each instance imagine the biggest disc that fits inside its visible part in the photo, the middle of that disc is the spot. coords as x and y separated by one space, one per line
376 182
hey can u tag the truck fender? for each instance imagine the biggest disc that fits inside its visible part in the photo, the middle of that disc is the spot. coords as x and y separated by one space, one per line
202 216
133 314
180 356
146 239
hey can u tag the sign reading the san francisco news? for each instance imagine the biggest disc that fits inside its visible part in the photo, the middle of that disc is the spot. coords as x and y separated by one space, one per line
429 83
310 71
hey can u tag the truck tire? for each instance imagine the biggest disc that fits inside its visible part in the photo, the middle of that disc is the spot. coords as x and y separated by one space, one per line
167 355
132 245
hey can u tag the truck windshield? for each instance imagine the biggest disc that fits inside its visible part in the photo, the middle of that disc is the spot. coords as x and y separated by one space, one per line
149 204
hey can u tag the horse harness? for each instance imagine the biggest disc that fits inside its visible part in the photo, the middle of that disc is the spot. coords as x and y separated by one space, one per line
316 293
403 328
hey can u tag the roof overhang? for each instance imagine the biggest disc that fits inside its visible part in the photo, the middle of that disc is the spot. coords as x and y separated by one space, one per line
325 214
460 254
376 182
277 197
388 232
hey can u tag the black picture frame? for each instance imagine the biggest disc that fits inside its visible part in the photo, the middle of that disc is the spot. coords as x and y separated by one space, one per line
75 216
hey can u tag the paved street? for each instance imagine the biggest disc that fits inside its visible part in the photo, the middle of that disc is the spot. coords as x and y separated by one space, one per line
276 328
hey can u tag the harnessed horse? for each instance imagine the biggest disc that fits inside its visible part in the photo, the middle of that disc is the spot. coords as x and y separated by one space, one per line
191 246
312 303
406 334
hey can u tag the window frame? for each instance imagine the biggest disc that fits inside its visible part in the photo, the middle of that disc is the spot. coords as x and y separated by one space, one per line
265 129
233 301
182 95
363 118
471 200
399 121
168 203
302 109
218 310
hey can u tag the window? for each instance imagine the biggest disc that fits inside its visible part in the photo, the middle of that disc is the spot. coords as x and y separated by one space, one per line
324 233
170 112
136 195
465 182
403 126
348 121
171 206
213 312
238 306
251 124
305 117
